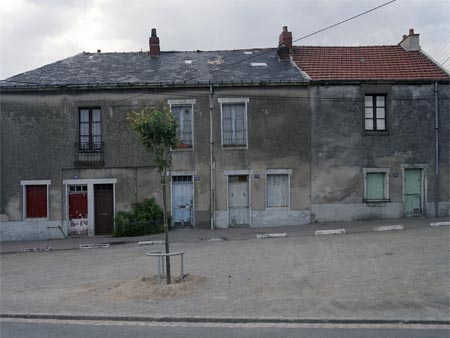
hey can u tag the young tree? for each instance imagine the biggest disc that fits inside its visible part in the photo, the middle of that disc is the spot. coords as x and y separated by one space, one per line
157 131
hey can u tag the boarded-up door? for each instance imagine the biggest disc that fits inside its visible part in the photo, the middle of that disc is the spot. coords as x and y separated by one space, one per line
413 192
182 198
103 199
238 200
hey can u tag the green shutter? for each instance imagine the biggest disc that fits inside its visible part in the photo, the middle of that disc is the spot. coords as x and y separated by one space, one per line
375 186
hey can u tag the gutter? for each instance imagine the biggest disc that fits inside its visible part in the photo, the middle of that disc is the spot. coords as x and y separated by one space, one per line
436 151
212 180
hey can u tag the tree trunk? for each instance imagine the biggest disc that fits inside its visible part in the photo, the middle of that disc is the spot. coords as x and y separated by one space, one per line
166 231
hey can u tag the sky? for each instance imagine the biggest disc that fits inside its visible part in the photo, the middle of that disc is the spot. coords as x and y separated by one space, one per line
34 33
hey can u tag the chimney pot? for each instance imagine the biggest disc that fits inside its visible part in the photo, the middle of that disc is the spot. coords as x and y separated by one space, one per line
411 41
285 43
153 42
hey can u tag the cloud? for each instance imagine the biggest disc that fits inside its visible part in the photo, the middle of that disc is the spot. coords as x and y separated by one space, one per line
36 32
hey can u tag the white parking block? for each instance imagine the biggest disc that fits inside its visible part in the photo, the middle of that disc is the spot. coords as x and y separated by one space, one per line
94 246
438 224
330 232
388 228
150 243
264 236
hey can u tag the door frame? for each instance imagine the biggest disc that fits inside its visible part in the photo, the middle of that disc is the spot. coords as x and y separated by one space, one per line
183 173
90 190
249 173
423 185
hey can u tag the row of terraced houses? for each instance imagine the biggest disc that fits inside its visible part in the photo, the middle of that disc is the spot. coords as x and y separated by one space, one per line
288 135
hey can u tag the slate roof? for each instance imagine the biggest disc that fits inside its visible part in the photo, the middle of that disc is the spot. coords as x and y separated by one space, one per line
228 66
366 63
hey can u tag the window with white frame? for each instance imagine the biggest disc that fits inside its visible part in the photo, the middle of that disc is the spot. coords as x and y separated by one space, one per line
90 130
183 116
234 122
375 112
376 185
35 199
277 188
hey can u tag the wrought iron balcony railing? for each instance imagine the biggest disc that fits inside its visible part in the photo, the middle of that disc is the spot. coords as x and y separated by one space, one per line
89 154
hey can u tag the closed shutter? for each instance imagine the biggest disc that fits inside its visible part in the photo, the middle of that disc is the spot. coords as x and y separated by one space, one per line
36 199
375 186
277 190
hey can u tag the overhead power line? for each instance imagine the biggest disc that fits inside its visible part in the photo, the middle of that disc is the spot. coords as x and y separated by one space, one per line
300 38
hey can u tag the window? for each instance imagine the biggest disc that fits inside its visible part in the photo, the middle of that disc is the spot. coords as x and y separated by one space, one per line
90 129
234 122
376 185
35 199
278 188
183 116
375 113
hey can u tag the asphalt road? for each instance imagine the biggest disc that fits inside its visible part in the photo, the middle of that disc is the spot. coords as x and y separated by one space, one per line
81 329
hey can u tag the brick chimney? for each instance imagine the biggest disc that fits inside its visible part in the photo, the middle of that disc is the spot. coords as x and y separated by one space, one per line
285 44
410 42
154 45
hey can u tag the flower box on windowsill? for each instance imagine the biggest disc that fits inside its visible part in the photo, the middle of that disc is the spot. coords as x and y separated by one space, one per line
183 146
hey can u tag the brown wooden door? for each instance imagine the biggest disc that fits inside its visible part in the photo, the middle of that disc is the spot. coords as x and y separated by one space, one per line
103 204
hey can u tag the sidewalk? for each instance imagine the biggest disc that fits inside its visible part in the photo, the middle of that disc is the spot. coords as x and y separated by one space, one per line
366 275
179 236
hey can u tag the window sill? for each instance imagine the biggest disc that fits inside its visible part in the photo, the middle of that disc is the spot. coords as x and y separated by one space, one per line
375 133
376 203
181 149
278 208
234 147
37 219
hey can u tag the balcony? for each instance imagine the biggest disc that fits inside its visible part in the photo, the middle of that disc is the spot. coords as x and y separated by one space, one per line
89 154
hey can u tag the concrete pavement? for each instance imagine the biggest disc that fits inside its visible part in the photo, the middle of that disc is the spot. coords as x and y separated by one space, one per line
180 236
363 275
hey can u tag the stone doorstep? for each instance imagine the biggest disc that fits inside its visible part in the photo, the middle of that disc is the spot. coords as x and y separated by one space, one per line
330 232
388 228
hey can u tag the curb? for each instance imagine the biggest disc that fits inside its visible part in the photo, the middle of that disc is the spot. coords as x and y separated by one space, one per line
225 319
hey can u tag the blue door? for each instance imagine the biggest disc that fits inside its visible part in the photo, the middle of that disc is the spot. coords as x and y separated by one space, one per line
182 201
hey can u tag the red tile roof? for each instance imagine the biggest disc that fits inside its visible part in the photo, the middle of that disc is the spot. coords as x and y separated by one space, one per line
366 63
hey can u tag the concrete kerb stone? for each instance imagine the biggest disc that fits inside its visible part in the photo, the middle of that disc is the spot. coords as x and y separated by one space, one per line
94 246
330 232
142 243
222 319
265 236
388 228
438 224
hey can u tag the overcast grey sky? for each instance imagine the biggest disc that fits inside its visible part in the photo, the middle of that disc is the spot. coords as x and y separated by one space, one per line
37 32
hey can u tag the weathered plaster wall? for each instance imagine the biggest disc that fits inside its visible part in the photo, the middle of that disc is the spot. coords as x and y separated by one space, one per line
341 148
278 138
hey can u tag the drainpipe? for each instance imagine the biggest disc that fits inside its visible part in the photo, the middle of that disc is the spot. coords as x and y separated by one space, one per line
212 182
436 155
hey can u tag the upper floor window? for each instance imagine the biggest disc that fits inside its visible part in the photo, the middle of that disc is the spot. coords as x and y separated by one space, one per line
183 115
90 129
375 113
234 122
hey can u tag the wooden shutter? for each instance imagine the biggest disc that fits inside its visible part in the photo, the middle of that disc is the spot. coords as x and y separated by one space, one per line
375 186
36 199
